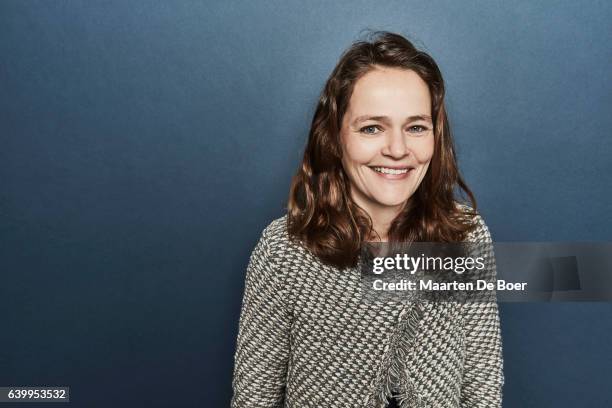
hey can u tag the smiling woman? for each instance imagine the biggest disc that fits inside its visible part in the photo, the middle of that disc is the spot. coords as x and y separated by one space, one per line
379 166
380 162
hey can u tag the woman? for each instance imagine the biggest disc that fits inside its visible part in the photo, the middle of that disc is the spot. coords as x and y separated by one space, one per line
379 166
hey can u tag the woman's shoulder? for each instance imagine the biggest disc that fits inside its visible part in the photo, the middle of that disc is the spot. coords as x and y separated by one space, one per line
480 231
275 234
277 228
276 238
285 249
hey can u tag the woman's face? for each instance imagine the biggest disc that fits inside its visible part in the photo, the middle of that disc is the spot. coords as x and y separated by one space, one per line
387 138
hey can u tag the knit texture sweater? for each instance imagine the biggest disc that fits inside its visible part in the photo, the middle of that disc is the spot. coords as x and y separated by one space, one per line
306 340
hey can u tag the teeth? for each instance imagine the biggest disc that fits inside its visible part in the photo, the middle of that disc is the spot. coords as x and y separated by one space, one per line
386 170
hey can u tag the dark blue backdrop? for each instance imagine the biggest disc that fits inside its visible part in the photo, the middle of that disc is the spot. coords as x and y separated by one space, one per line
145 144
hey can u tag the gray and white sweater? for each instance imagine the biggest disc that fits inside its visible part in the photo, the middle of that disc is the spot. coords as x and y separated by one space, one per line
305 339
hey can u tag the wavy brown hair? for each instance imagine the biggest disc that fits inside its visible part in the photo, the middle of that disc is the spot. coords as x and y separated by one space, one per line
321 212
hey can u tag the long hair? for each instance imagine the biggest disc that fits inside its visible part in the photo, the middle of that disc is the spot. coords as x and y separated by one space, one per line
321 212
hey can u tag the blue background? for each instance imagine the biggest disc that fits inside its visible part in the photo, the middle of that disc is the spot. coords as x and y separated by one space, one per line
146 144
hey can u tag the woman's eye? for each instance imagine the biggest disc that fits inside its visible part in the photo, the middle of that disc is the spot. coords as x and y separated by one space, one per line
417 129
370 130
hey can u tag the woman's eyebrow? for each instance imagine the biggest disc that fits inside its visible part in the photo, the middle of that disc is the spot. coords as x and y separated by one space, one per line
386 119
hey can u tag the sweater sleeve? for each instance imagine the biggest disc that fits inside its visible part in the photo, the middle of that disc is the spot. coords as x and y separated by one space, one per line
483 376
262 349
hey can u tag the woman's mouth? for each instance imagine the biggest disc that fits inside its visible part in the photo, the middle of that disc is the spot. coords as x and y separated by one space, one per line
392 173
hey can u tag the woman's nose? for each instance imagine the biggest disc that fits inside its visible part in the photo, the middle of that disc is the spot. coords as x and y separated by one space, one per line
396 145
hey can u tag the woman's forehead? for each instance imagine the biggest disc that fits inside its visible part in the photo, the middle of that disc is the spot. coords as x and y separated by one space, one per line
390 92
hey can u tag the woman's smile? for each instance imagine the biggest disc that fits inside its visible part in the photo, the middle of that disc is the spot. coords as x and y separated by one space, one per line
392 173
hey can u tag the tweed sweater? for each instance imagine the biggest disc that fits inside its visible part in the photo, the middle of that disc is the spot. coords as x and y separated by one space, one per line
305 339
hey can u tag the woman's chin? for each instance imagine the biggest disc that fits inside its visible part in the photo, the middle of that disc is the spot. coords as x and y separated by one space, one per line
392 202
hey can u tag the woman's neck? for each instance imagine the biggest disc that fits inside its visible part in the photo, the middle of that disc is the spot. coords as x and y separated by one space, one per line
381 221
382 218
382 215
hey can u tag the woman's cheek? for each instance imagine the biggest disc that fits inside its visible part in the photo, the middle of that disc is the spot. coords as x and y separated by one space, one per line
424 151
360 151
